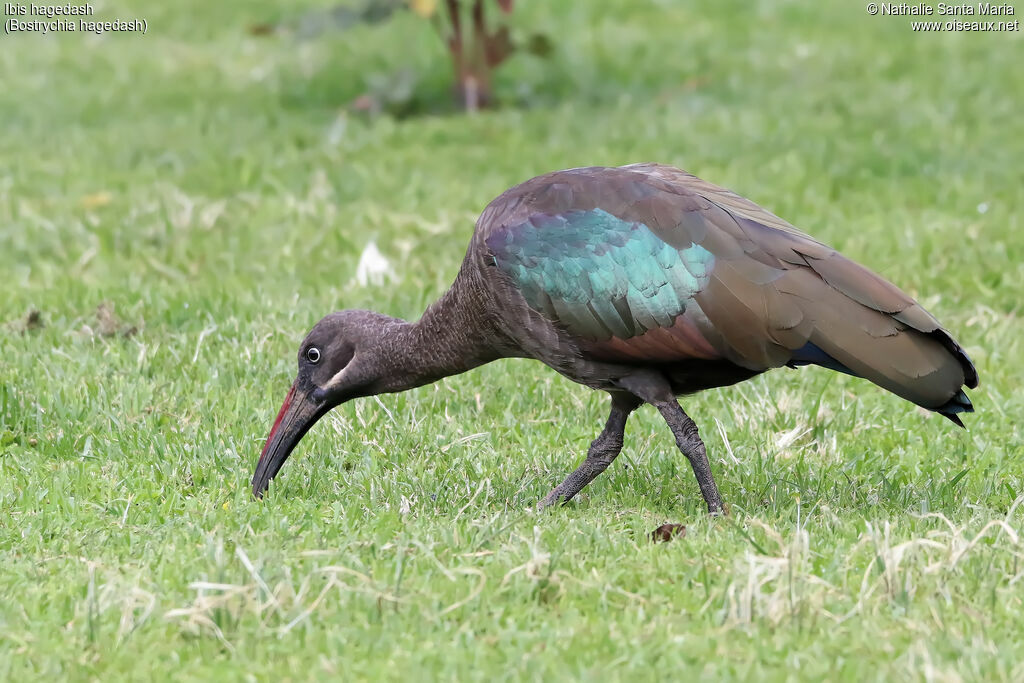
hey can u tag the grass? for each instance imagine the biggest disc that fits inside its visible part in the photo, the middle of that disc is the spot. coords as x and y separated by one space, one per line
182 206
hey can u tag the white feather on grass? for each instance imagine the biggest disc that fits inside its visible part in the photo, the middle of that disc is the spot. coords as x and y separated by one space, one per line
373 268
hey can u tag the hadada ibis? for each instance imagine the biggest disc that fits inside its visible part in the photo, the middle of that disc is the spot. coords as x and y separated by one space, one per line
647 283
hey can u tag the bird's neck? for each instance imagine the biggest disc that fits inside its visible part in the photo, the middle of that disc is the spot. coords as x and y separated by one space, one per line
451 337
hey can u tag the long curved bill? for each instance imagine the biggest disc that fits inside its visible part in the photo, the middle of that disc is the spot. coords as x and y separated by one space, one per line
298 413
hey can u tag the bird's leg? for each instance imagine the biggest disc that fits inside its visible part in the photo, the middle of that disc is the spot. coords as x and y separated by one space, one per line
603 450
689 442
653 388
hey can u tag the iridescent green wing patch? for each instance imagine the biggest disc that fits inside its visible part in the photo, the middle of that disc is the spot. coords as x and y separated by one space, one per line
598 275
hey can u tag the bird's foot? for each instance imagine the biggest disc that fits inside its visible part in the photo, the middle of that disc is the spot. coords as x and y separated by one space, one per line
719 510
553 498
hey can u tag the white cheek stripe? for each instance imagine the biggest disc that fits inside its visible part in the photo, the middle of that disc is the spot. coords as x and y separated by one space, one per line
334 381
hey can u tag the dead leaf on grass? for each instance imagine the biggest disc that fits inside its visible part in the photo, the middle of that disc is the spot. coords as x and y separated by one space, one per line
668 532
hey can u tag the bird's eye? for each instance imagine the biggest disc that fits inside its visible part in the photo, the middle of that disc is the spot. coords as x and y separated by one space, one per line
313 355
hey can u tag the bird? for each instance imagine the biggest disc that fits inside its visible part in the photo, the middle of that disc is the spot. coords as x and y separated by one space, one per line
646 283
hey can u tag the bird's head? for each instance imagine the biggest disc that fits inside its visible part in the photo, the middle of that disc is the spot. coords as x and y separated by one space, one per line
343 357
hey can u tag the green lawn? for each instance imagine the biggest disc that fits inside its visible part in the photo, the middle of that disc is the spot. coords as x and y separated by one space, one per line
182 206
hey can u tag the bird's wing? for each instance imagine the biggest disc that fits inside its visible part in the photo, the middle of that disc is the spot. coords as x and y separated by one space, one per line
648 262
639 266
612 283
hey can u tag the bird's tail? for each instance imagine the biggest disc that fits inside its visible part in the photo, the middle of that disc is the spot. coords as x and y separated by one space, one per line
905 351
958 404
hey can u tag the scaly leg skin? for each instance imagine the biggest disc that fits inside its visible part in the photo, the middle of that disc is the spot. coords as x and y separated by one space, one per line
603 450
655 389
689 442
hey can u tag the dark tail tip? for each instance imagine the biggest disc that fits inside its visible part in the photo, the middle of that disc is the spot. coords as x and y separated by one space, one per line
958 404
952 417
